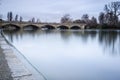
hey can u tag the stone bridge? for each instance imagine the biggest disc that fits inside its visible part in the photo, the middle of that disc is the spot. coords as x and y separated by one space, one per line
25 25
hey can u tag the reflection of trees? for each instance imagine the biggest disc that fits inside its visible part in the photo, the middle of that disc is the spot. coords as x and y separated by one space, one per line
29 32
87 34
48 32
10 34
18 34
109 40
65 35
84 35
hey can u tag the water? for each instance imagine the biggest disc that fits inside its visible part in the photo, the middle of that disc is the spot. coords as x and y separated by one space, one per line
71 55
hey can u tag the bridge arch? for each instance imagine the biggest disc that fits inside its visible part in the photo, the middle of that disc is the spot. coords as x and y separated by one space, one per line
63 27
87 27
30 27
75 27
48 27
10 27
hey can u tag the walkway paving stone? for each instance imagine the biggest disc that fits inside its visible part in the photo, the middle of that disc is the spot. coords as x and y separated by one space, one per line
11 67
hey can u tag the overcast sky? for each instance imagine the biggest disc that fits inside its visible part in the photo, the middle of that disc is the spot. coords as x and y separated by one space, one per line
52 10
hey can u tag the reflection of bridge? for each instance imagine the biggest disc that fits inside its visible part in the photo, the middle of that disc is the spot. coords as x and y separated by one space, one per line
23 25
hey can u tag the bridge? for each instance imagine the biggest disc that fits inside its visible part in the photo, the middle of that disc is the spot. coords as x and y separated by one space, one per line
25 25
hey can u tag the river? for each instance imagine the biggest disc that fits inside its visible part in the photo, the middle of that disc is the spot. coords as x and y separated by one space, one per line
71 54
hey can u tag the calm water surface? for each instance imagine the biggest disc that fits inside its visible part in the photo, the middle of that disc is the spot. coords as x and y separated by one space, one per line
71 55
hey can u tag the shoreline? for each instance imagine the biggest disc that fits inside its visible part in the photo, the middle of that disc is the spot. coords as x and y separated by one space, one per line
16 70
12 67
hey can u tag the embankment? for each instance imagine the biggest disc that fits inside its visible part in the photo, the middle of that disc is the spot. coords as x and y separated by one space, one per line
14 66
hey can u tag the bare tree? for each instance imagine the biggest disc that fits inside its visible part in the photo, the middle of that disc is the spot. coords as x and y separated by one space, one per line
85 18
101 18
110 19
16 17
113 10
21 18
33 20
94 20
10 16
38 21
78 21
66 19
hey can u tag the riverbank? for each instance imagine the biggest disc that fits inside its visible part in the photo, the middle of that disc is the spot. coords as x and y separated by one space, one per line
5 73
11 67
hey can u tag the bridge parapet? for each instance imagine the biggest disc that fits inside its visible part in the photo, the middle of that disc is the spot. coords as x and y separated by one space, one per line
40 25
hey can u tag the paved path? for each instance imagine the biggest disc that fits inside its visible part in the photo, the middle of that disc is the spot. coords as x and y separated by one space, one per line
11 67
5 73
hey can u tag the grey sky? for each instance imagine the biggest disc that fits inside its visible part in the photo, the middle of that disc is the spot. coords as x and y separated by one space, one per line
52 10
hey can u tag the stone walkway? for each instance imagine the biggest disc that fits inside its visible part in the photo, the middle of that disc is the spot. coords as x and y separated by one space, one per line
5 73
11 68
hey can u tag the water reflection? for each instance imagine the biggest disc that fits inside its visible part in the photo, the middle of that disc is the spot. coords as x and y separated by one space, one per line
109 40
71 54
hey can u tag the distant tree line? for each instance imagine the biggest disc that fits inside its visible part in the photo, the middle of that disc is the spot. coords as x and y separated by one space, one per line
17 18
84 19
108 18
